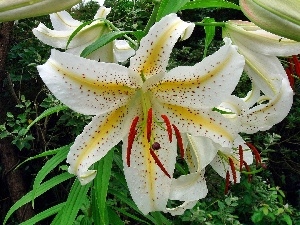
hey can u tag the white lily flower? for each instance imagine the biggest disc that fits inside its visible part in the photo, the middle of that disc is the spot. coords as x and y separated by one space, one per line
19 9
146 107
261 49
64 25
276 16
222 159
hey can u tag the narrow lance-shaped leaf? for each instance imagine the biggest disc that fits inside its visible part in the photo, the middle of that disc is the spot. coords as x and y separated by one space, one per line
43 215
209 34
43 188
48 167
101 186
74 202
46 113
169 6
104 39
198 4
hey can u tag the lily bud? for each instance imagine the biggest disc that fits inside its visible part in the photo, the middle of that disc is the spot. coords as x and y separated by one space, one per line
276 16
20 9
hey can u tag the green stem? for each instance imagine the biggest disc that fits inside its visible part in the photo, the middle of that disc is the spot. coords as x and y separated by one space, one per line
113 27
215 24
153 16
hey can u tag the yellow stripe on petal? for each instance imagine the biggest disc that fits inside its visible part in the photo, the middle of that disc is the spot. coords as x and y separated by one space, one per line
202 122
98 137
155 48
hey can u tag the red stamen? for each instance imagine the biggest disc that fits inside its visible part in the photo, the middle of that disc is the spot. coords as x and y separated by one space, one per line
248 170
158 162
131 136
227 182
255 152
232 167
179 140
149 124
241 153
290 77
168 125
297 65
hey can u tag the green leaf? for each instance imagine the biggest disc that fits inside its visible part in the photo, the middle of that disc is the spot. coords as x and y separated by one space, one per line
103 40
43 215
101 182
46 113
257 216
114 217
198 4
73 204
209 34
287 219
134 217
44 154
42 189
130 203
169 6
48 167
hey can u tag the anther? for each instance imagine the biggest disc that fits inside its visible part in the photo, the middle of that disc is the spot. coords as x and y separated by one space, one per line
227 183
232 167
149 124
241 153
158 162
179 140
168 126
255 152
248 170
131 136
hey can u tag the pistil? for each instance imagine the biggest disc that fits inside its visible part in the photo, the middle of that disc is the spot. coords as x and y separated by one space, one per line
158 162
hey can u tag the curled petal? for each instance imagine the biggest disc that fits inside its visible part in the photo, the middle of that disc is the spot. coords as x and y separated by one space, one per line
179 210
64 21
59 38
189 187
205 84
264 116
87 86
259 40
155 48
266 72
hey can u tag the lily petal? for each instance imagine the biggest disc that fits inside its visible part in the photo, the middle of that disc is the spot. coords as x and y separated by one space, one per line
264 116
15 10
252 96
266 72
122 50
90 87
63 21
205 84
200 122
155 48
181 209
259 40
59 38
148 184
98 137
